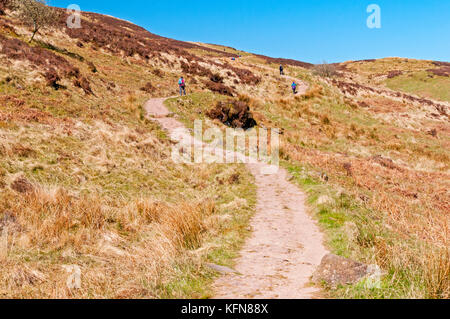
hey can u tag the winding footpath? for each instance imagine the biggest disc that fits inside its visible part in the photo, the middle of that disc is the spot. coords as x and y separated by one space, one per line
279 258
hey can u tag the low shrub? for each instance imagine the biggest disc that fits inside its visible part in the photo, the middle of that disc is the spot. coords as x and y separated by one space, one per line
52 78
92 67
394 73
148 88
325 70
3 6
233 113
54 66
216 78
158 73
219 88
84 84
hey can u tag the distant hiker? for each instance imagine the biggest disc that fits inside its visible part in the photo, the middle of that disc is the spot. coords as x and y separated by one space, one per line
182 85
281 70
294 87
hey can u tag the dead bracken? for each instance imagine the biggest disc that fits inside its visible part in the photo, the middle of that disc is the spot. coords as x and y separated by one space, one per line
22 185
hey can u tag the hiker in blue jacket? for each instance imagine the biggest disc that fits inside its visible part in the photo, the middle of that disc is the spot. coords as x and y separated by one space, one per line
182 85
294 87
281 70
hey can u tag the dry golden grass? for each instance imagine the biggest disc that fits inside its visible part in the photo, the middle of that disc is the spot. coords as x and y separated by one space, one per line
389 158
107 197
313 92
408 221
124 251
401 212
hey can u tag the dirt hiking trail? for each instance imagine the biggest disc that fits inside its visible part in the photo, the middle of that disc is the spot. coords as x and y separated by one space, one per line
302 87
285 247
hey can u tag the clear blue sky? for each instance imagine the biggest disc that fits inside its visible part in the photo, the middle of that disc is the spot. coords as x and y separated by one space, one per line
306 30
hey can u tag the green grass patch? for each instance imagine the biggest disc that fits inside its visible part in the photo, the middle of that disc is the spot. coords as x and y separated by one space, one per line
423 84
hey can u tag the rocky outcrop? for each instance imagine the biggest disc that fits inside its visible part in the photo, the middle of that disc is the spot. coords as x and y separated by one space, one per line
221 269
335 270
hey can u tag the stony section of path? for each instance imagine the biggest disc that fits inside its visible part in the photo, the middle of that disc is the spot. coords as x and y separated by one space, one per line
285 247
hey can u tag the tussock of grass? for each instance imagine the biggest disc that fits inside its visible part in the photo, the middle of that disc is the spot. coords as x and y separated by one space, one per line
124 249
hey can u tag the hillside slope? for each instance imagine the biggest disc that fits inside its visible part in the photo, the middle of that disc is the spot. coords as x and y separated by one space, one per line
87 180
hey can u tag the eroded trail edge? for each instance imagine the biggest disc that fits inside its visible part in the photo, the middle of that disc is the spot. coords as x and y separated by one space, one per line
286 244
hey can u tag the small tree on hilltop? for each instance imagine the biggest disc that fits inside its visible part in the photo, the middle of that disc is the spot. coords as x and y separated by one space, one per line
35 14
325 70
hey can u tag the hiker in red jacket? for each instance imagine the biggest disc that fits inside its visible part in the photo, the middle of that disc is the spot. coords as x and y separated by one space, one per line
182 85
